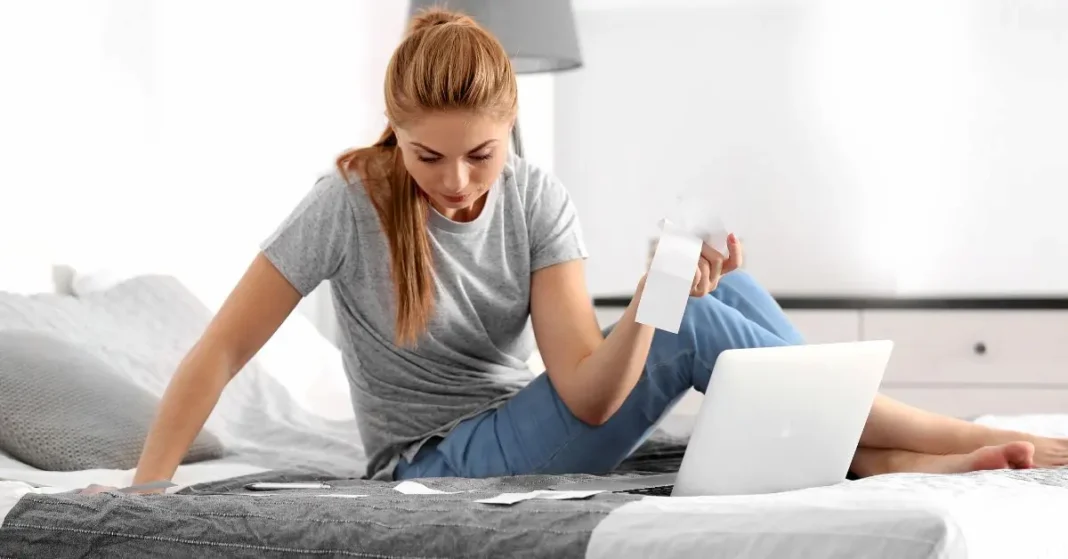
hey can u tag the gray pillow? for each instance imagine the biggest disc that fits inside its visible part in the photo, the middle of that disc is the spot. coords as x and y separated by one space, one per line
63 409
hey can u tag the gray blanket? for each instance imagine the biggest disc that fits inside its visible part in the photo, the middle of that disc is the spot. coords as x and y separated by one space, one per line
223 519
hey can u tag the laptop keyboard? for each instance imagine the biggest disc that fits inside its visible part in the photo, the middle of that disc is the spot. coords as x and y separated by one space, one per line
657 491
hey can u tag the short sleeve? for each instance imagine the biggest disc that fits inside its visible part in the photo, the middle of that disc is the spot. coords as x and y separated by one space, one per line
312 243
555 233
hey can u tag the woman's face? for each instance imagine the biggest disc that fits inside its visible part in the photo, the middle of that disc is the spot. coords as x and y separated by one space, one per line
455 157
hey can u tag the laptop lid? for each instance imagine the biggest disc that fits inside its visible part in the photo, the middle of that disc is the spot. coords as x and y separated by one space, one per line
782 418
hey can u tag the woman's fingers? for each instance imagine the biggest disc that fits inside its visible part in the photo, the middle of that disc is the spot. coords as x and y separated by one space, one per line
93 489
699 280
737 254
711 254
705 268
712 265
715 272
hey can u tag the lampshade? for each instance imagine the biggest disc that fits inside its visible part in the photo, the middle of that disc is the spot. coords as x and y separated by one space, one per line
539 35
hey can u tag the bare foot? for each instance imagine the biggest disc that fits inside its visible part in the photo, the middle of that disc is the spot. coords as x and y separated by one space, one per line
1050 453
1017 455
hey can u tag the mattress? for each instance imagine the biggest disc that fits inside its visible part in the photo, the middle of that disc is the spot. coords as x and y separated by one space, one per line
983 514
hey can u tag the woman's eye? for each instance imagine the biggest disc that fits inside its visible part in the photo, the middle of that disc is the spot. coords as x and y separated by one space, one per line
482 157
428 158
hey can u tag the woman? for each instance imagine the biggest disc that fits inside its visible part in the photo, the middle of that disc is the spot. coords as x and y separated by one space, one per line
439 247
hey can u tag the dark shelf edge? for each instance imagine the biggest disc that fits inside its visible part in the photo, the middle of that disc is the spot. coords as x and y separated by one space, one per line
816 302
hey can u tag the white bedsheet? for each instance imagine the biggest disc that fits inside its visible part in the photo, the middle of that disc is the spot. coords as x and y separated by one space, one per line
888 517
988 514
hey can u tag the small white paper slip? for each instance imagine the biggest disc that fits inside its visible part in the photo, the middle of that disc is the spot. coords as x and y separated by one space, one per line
513 498
294 495
508 498
669 279
414 488
713 232
566 495
696 212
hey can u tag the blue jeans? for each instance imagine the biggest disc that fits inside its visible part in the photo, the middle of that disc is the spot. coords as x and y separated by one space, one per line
535 433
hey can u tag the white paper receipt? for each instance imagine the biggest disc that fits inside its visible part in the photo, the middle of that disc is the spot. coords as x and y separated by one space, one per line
668 281
513 498
671 272
413 488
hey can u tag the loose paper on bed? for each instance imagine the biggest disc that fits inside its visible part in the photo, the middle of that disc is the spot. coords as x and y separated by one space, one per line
414 488
674 264
513 498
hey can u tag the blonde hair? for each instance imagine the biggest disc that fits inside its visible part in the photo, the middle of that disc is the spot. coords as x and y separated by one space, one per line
445 62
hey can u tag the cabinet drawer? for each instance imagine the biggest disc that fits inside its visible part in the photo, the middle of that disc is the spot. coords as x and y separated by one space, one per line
973 347
824 327
607 316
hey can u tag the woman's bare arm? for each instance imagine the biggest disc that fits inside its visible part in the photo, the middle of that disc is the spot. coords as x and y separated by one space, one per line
593 374
258 305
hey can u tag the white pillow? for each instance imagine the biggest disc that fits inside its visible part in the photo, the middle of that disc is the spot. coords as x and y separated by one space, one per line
297 355
25 274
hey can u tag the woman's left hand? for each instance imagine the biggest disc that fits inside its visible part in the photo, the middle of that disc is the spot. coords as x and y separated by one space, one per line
714 265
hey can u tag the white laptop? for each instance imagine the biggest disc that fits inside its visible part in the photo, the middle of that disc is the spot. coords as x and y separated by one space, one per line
773 419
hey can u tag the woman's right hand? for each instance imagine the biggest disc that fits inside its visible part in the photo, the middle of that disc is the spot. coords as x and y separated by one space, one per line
94 489
712 266
251 314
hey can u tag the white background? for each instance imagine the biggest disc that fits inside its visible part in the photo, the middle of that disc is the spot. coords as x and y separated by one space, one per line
857 146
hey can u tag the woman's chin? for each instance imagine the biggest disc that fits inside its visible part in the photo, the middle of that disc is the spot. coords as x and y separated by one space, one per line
459 209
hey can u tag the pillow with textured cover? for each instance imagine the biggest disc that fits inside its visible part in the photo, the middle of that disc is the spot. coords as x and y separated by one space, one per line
143 327
63 409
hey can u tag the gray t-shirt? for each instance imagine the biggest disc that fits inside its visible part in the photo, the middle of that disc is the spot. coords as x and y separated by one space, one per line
474 352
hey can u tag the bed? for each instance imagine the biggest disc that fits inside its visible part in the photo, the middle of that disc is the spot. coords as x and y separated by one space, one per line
991 514
267 422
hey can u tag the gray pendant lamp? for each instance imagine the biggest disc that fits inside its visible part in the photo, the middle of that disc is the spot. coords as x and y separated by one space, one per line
539 35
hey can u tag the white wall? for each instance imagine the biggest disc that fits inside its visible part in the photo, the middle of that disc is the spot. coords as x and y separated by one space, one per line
890 147
537 120
155 136
174 136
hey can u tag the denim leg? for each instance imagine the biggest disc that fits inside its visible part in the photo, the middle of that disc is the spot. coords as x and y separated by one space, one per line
739 290
535 432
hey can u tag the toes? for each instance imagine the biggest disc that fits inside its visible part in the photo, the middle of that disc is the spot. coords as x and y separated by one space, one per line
1020 455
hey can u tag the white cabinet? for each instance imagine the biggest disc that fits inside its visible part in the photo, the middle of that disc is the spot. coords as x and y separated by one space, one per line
607 316
973 362
826 326
961 362
973 347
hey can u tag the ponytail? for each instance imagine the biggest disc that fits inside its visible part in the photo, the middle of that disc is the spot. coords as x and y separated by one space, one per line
402 209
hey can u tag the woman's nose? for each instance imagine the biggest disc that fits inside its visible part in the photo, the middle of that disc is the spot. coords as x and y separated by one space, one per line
455 179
